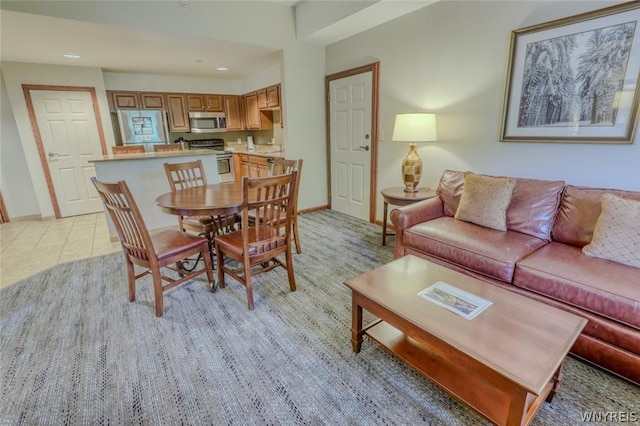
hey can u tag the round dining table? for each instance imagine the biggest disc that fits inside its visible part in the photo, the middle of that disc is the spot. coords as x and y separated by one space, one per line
210 200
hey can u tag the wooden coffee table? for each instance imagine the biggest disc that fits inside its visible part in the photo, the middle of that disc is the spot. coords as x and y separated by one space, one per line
504 363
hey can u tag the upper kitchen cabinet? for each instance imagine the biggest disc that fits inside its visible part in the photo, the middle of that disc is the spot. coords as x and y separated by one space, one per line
233 111
177 109
152 100
208 103
125 100
269 98
256 119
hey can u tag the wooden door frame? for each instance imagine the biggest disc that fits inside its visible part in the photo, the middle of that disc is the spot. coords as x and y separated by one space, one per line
26 89
4 216
375 80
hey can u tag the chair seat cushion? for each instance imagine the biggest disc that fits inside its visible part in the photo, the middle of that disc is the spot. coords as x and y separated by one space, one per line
490 252
169 242
563 273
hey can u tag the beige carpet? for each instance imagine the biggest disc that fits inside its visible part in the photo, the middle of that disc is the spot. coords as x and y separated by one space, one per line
73 350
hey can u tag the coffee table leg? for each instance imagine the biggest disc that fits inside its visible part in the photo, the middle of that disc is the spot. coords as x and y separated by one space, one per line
356 324
556 379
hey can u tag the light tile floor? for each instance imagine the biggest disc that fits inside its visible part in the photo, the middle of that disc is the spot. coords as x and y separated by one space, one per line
31 246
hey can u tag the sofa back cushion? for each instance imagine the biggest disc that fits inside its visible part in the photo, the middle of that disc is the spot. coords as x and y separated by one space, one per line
533 207
579 211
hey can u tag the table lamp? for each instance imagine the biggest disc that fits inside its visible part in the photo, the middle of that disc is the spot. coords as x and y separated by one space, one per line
414 127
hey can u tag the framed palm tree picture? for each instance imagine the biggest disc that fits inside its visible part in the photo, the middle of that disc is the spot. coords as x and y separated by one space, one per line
575 80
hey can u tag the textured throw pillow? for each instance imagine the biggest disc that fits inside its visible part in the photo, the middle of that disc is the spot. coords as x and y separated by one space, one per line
617 233
485 200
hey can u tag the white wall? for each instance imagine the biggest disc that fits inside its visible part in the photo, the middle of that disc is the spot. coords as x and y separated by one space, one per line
15 182
451 58
165 83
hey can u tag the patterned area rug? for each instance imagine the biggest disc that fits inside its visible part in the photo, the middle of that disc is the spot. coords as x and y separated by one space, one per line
73 350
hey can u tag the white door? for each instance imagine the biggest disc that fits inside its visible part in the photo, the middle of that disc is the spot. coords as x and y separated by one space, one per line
350 143
70 138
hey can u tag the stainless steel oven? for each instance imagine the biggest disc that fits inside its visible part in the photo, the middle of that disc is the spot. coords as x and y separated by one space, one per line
225 159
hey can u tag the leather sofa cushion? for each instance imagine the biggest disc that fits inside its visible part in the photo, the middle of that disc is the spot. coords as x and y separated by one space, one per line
563 273
532 209
487 251
579 211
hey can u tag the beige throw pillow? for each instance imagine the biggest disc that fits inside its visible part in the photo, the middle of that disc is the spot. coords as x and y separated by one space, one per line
485 200
617 233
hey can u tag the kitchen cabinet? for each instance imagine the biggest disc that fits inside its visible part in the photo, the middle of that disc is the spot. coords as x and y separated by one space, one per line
269 98
125 100
177 111
233 111
256 119
152 100
206 103
252 165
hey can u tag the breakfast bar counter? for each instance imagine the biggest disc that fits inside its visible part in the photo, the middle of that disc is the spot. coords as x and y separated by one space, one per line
146 178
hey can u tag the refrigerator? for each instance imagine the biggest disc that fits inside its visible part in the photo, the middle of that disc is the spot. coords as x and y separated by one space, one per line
147 127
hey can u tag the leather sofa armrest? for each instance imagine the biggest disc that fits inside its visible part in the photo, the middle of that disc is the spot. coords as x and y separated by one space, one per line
406 216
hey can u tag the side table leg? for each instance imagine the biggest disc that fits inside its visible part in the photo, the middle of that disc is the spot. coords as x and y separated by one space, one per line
384 224
356 324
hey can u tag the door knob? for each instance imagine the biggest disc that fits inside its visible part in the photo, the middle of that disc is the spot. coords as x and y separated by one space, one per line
52 154
366 148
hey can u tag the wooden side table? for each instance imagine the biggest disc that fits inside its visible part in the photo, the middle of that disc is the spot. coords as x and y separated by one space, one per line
397 197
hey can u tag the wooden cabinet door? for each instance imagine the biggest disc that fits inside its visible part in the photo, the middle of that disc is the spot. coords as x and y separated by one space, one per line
273 96
214 103
253 111
233 113
263 100
178 117
125 100
152 100
195 103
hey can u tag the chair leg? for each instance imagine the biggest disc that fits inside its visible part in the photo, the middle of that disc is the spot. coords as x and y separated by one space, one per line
220 266
157 291
208 264
248 284
290 274
296 237
131 279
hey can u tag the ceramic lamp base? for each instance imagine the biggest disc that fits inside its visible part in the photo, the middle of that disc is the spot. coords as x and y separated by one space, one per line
411 169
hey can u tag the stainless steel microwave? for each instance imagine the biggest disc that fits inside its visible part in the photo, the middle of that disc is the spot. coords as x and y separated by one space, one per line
207 122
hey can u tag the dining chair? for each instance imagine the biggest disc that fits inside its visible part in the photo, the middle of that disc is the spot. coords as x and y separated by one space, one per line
166 248
188 175
258 246
167 147
127 149
283 166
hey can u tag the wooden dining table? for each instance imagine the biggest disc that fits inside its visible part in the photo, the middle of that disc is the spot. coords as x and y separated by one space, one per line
210 200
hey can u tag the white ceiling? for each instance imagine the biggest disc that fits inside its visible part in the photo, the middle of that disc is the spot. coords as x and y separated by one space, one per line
27 37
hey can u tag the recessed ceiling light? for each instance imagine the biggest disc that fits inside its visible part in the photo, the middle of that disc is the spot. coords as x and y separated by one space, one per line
222 69
71 56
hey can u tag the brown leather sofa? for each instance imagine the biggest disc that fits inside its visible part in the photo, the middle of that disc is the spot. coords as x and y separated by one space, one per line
540 256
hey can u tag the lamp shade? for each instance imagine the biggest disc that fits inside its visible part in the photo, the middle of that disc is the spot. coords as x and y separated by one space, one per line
415 127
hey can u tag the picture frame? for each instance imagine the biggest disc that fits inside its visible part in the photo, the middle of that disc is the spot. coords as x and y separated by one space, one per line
575 80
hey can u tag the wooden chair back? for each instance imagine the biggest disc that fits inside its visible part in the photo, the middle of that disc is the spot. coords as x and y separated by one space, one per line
126 218
274 195
185 175
282 166
167 147
127 149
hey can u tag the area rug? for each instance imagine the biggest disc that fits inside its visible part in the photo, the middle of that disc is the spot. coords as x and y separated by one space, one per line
73 350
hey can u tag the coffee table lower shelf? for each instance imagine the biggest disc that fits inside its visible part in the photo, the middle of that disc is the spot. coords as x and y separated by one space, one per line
459 378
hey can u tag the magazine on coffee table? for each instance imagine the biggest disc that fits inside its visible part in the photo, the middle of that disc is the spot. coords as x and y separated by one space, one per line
463 303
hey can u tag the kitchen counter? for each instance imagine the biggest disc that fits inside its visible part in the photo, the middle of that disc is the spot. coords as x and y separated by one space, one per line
154 155
261 151
146 178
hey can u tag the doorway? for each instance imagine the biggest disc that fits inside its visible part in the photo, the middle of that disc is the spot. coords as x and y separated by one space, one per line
68 131
352 139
